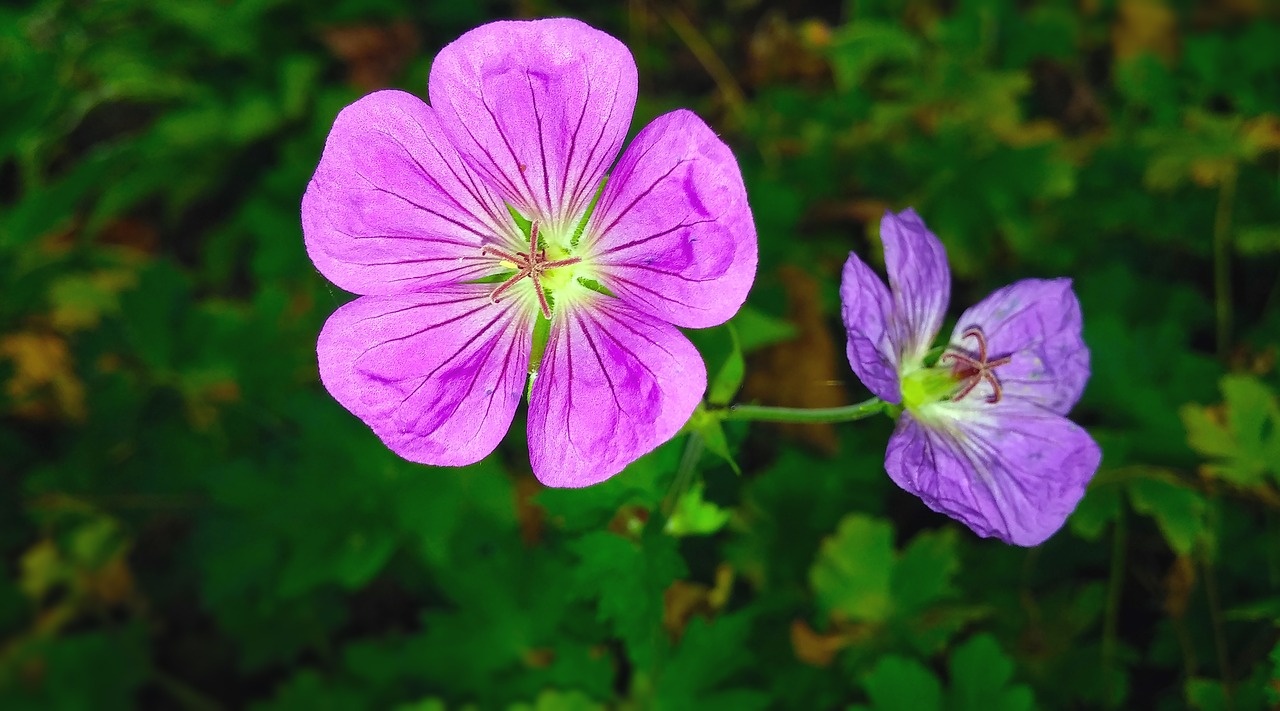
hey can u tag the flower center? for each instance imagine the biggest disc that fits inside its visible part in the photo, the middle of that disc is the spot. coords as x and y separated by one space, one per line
957 374
533 265
970 369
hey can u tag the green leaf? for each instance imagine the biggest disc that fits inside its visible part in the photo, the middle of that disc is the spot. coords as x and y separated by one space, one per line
1178 511
860 47
1273 688
626 579
1100 506
711 429
923 573
552 700
107 669
1257 240
709 655
1245 441
728 379
754 329
1207 695
694 516
898 684
307 691
852 574
431 704
980 676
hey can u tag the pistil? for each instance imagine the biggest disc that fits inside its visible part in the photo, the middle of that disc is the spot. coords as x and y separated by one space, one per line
532 264
972 371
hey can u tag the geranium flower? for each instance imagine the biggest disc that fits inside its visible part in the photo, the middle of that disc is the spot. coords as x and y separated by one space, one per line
466 223
983 435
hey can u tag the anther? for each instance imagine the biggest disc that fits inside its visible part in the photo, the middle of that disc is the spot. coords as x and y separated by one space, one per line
973 370
532 264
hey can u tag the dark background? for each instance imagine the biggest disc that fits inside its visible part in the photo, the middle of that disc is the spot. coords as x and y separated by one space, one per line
188 521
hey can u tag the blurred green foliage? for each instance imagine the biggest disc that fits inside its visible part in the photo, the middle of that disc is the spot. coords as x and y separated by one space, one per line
187 520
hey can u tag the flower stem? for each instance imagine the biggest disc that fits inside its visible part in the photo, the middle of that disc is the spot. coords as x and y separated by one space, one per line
822 415
1222 262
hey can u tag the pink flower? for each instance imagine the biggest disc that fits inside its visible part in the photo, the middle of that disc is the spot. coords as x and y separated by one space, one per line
465 223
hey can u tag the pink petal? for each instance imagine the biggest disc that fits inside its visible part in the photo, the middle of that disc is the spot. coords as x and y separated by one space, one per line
919 279
672 234
1012 471
1037 322
391 209
866 307
436 376
614 384
540 108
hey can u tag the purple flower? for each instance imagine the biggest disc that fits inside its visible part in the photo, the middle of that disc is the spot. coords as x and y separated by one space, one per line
983 436
465 223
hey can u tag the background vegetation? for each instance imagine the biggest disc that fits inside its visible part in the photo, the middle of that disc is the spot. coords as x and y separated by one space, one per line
188 521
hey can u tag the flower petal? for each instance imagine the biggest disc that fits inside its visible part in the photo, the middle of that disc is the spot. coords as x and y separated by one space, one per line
672 233
613 385
540 108
1037 322
1013 471
919 279
866 308
391 209
436 376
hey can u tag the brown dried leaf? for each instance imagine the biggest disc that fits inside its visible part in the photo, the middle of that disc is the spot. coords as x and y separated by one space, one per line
807 371
375 55
815 649
44 385
1144 26
1179 583
782 52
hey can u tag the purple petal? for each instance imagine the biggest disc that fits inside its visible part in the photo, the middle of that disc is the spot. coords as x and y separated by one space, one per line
1012 471
672 233
436 376
391 209
540 108
614 384
919 279
867 307
1037 322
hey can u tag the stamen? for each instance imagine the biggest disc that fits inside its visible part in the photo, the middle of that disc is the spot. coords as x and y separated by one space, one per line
532 264
975 371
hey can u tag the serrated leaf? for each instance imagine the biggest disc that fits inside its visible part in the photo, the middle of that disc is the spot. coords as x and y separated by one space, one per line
897 684
1178 511
707 658
1245 439
980 676
1206 695
552 700
861 46
694 516
923 573
1100 506
626 579
852 574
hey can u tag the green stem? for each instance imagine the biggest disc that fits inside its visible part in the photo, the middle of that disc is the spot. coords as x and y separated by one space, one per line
822 415
1222 262
684 472
1111 615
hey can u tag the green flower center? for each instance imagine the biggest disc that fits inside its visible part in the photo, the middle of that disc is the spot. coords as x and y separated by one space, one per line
958 373
926 386
544 265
